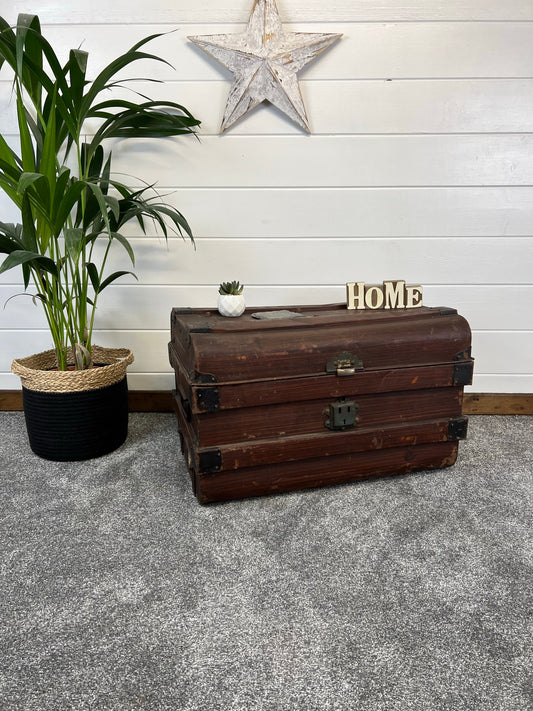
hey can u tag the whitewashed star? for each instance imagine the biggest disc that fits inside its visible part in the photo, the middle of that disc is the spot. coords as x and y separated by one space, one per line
265 60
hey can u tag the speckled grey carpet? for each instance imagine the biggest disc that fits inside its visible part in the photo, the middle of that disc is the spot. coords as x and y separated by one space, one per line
118 591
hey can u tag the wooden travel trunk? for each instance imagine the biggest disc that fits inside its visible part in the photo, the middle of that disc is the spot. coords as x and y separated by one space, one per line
322 395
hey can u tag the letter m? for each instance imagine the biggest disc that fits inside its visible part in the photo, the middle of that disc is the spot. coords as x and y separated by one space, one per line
394 292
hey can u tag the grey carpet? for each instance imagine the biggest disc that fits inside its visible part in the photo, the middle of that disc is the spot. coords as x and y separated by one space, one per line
120 592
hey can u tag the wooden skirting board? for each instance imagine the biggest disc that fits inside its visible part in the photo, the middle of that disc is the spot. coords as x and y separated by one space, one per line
161 401
498 404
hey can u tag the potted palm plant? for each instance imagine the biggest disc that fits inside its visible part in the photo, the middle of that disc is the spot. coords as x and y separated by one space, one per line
72 214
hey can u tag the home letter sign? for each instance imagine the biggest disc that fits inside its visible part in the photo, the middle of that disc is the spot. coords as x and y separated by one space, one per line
392 295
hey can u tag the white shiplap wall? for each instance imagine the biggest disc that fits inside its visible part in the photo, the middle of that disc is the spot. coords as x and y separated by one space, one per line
420 166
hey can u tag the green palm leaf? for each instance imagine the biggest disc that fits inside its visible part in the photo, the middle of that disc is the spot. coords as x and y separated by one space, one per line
102 80
66 207
113 277
127 246
10 237
26 145
74 242
33 259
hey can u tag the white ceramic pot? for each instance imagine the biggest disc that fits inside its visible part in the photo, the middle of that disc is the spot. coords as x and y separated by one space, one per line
231 304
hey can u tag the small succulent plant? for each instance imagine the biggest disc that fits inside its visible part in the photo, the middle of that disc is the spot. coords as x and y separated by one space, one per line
231 287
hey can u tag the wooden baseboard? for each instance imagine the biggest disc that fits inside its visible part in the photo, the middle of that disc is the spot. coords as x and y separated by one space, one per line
10 400
150 401
139 400
498 404
161 401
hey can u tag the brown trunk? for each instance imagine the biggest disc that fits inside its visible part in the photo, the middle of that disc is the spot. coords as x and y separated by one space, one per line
331 396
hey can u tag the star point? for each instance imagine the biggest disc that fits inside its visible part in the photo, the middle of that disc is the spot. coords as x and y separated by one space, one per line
265 61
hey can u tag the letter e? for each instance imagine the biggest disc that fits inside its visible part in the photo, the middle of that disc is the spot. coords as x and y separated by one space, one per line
413 296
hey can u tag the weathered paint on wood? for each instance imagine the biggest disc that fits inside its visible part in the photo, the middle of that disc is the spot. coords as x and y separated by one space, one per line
299 418
247 349
259 398
265 60
290 476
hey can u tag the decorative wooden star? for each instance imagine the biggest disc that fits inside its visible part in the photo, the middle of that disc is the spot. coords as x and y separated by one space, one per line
265 60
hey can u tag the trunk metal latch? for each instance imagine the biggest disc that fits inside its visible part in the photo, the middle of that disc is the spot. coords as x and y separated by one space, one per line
344 364
342 415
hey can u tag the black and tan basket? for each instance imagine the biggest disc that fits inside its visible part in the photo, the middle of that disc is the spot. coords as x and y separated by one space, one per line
75 414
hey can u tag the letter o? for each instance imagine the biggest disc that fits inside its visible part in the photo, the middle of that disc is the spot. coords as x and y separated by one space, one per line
374 297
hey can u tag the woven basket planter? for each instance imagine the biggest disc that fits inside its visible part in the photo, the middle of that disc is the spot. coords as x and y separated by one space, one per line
75 414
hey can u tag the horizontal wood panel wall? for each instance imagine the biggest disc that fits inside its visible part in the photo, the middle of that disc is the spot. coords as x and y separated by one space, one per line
419 166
